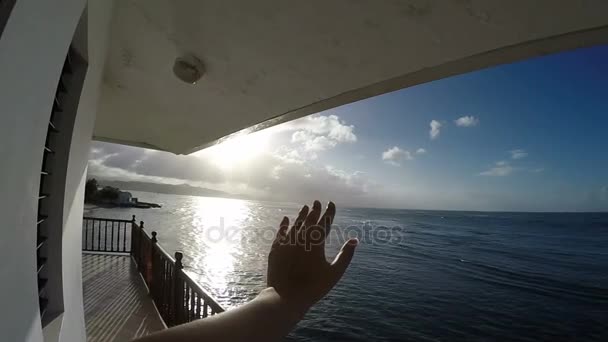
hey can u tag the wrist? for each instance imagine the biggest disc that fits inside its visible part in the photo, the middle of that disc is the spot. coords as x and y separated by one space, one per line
285 307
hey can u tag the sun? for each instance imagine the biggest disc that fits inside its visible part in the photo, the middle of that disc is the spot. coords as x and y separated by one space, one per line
238 150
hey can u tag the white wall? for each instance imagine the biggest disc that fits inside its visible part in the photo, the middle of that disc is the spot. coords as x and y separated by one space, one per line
33 47
99 15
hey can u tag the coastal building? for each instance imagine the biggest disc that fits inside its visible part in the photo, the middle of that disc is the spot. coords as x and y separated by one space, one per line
180 76
124 198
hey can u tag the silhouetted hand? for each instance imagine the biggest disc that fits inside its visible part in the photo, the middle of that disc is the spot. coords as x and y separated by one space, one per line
297 268
298 276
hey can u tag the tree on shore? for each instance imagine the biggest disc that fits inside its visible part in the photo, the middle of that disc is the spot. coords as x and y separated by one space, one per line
90 190
92 193
108 193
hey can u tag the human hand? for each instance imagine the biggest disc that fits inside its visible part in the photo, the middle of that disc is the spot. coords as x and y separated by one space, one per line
298 276
297 267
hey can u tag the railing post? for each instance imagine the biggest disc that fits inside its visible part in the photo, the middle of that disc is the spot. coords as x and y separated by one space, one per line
132 252
150 262
178 291
141 260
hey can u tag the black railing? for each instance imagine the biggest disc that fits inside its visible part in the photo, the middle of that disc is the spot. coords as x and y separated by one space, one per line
106 235
177 296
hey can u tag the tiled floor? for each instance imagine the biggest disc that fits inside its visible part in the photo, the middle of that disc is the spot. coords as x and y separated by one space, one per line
116 303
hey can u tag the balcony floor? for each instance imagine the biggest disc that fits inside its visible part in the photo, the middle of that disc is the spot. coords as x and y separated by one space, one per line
116 303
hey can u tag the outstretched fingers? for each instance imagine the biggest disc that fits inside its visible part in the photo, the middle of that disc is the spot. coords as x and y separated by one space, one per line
343 259
313 235
328 218
282 232
310 228
313 216
317 233
297 225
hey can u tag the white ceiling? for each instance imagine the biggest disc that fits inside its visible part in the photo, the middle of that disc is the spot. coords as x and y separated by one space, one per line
284 59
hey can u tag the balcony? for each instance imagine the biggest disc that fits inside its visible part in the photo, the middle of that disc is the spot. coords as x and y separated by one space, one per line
132 286
116 302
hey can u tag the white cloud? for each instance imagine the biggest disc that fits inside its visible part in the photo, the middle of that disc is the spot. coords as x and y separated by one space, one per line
342 133
328 125
312 142
319 133
287 155
421 151
301 136
501 169
285 173
395 156
276 172
504 168
518 154
466 121
320 143
435 129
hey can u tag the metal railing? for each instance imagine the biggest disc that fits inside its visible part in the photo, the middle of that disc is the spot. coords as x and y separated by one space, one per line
106 235
177 296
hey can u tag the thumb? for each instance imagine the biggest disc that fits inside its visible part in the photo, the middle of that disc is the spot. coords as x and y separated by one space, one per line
342 260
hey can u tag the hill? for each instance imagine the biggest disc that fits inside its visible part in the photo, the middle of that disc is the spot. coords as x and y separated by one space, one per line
173 189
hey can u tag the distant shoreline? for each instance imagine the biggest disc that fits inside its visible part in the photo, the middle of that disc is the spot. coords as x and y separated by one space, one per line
112 197
384 208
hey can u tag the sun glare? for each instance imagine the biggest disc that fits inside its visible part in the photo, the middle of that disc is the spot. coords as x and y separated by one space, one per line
221 220
237 150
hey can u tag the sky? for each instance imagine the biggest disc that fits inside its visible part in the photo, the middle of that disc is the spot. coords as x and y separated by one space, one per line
527 136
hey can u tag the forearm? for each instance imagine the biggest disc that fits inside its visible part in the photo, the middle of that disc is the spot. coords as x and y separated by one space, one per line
302 275
266 318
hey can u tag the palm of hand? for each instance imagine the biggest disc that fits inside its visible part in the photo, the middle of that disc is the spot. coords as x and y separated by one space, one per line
297 267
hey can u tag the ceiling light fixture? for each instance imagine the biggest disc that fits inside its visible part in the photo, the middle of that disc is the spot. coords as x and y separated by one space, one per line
188 68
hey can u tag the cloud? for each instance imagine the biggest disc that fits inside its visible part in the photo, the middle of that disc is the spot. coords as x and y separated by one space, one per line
435 129
500 169
421 151
395 156
290 156
318 133
313 142
268 177
276 172
503 168
328 125
466 121
301 136
518 154
276 164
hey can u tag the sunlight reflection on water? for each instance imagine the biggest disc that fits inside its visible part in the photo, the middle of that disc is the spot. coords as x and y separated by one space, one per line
511 259
219 242
222 239
222 221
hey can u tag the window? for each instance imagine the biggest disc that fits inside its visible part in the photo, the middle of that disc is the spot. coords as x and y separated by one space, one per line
52 185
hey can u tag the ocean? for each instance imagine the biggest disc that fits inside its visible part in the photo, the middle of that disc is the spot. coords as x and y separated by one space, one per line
417 275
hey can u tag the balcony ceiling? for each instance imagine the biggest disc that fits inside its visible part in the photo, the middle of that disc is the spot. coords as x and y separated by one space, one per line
270 61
